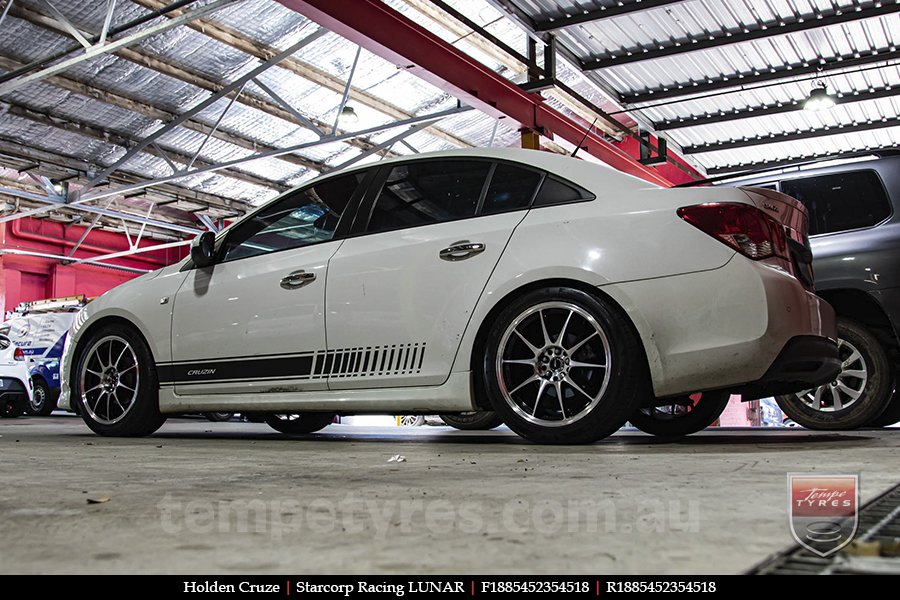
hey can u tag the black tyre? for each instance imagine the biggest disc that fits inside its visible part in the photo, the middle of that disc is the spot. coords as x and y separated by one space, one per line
295 424
563 367
481 420
43 401
12 406
114 383
218 417
859 394
686 414
891 414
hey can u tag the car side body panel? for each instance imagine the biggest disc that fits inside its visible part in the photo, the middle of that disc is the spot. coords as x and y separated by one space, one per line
397 311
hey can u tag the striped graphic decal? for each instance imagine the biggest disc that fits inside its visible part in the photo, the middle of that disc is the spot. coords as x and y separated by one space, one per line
364 361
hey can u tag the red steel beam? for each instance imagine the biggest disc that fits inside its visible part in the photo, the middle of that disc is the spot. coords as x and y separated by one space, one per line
383 31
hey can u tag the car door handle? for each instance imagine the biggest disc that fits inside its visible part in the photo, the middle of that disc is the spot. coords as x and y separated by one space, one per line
461 250
297 279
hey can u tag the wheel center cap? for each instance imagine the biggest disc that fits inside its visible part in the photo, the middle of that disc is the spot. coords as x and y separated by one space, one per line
110 379
553 363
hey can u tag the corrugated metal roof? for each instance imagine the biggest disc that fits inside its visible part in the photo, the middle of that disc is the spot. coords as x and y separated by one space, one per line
47 117
679 25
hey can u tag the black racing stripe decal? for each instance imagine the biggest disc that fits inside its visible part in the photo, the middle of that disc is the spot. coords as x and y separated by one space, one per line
292 366
396 359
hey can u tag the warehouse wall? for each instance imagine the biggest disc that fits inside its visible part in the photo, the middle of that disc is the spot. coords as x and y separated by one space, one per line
25 278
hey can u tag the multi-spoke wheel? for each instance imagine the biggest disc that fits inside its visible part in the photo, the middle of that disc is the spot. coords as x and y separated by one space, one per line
563 367
684 416
114 383
299 423
857 396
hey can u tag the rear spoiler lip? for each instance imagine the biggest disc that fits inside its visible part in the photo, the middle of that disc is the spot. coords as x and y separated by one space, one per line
775 196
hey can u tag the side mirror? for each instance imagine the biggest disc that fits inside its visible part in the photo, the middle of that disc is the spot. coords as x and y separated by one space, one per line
203 249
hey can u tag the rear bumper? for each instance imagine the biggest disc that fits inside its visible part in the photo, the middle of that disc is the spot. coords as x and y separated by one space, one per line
804 362
11 385
726 328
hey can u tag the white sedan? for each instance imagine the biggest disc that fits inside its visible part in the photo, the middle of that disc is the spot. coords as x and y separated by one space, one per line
563 295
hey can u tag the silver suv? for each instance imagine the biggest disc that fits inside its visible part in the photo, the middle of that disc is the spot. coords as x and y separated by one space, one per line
854 219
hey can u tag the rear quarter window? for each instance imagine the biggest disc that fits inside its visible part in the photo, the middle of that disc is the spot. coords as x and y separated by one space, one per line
841 201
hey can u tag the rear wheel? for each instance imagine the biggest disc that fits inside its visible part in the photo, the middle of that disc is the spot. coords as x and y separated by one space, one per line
858 395
299 423
12 406
481 420
686 414
114 384
563 367
42 401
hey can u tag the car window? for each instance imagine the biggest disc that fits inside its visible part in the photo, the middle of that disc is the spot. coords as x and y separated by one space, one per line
301 218
511 188
430 191
553 191
840 201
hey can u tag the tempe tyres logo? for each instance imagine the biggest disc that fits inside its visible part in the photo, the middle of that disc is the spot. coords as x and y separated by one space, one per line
824 510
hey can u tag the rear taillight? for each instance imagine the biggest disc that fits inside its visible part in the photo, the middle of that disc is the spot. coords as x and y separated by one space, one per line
745 228
18 354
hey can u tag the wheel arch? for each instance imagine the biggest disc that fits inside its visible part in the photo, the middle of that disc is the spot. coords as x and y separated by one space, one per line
104 321
478 344
863 308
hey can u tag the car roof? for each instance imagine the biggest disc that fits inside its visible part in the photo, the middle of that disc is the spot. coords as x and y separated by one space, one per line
588 173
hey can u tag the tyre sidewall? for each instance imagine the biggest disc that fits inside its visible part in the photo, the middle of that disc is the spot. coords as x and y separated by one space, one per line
482 420
304 424
49 403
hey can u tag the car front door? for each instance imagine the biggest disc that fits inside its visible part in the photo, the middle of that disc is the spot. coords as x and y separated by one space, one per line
402 288
255 320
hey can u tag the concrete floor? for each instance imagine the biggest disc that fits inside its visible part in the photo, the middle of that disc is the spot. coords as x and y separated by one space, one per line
232 497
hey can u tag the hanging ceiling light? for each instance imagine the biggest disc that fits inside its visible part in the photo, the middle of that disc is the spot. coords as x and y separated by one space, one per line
819 99
348 115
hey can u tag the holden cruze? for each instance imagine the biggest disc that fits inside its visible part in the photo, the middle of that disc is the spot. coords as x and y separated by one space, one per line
565 296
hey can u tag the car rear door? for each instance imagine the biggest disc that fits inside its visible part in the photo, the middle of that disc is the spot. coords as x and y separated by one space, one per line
255 320
401 289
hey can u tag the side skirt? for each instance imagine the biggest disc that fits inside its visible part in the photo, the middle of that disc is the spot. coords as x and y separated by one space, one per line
455 395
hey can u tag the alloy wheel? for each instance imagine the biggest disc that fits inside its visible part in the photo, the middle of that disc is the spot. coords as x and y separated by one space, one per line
846 388
109 379
554 363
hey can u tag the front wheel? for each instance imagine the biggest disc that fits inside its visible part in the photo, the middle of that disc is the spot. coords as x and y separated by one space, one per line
858 395
42 402
299 423
563 367
114 384
686 414
481 420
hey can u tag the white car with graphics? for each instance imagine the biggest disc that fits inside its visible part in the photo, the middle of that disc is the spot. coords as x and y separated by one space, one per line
565 296
15 382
